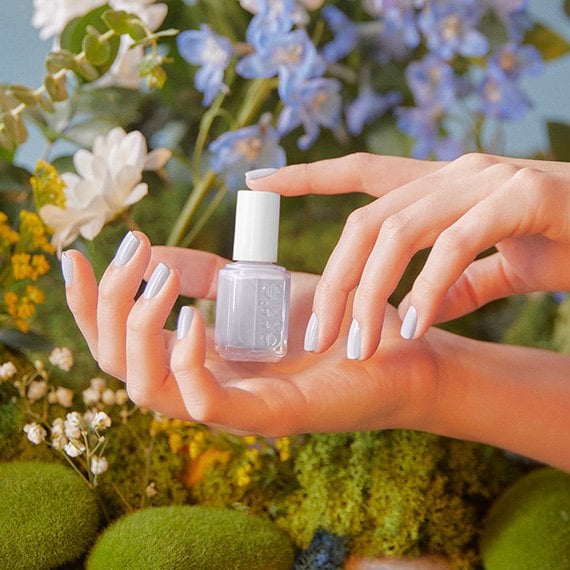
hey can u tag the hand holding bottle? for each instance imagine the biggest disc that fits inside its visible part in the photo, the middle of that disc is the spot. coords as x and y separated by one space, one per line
460 209
180 375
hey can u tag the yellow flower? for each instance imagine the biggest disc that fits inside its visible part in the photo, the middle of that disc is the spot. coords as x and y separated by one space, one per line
243 475
8 236
283 446
47 186
33 232
175 442
249 439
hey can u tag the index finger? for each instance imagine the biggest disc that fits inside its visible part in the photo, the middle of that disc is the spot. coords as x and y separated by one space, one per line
359 172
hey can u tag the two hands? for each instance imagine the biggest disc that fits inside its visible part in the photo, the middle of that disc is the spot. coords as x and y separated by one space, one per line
439 382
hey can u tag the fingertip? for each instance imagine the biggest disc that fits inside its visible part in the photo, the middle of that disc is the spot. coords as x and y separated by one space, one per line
190 348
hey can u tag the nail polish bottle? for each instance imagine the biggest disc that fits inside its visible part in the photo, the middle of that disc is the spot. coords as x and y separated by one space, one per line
252 308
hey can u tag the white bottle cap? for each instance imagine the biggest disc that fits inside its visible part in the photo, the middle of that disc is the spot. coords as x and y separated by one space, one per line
257 226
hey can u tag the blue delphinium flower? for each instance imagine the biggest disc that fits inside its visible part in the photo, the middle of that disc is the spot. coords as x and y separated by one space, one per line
249 148
501 98
450 28
345 34
367 107
500 93
423 124
310 103
212 53
399 17
432 82
289 55
516 60
272 17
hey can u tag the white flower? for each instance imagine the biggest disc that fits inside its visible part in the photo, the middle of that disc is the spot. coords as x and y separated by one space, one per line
121 397
150 490
91 396
74 448
35 432
62 358
101 421
62 396
7 371
98 465
37 390
108 397
108 181
73 425
98 384
58 439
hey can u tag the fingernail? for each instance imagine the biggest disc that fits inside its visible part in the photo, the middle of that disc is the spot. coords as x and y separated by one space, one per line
353 344
312 333
259 173
409 323
127 249
67 268
184 321
156 281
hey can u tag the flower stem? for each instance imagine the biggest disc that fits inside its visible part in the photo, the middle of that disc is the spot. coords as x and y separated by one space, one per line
196 196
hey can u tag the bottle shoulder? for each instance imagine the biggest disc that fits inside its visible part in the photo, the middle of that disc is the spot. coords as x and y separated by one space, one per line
255 269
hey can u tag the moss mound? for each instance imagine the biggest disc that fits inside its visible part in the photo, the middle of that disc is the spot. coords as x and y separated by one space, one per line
50 516
529 525
204 538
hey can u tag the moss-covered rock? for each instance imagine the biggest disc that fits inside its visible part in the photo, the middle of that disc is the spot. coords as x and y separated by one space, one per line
49 516
192 537
529 525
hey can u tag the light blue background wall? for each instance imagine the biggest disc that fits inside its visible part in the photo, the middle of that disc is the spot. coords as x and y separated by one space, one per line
22 54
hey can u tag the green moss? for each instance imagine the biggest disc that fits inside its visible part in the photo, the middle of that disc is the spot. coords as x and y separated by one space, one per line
192 537
529 525
50 516
561 337
395 493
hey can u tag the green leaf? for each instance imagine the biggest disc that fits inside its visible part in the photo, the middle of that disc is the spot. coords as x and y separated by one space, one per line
96 51
14 128
74 33
24 341
559 137
567 7
550 44
125 23
56 87
87 70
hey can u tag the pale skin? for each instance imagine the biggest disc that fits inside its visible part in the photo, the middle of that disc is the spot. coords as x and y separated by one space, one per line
512 397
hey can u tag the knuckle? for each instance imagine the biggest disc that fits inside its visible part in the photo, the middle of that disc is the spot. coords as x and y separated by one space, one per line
356 220
396 225
108 365
454 238
139 395
475 161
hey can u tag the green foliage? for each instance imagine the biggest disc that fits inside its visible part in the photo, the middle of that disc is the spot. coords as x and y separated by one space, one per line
394 492
558 136
561 335
201 538
50 516
534 323
529 525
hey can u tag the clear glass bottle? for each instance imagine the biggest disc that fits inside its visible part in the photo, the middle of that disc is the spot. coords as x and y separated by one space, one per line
252 308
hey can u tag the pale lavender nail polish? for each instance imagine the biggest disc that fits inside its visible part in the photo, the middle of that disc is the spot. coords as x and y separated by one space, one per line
67 268
312 334
156 281
126 249
259 173
353 348
252 305
409 323
185 318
